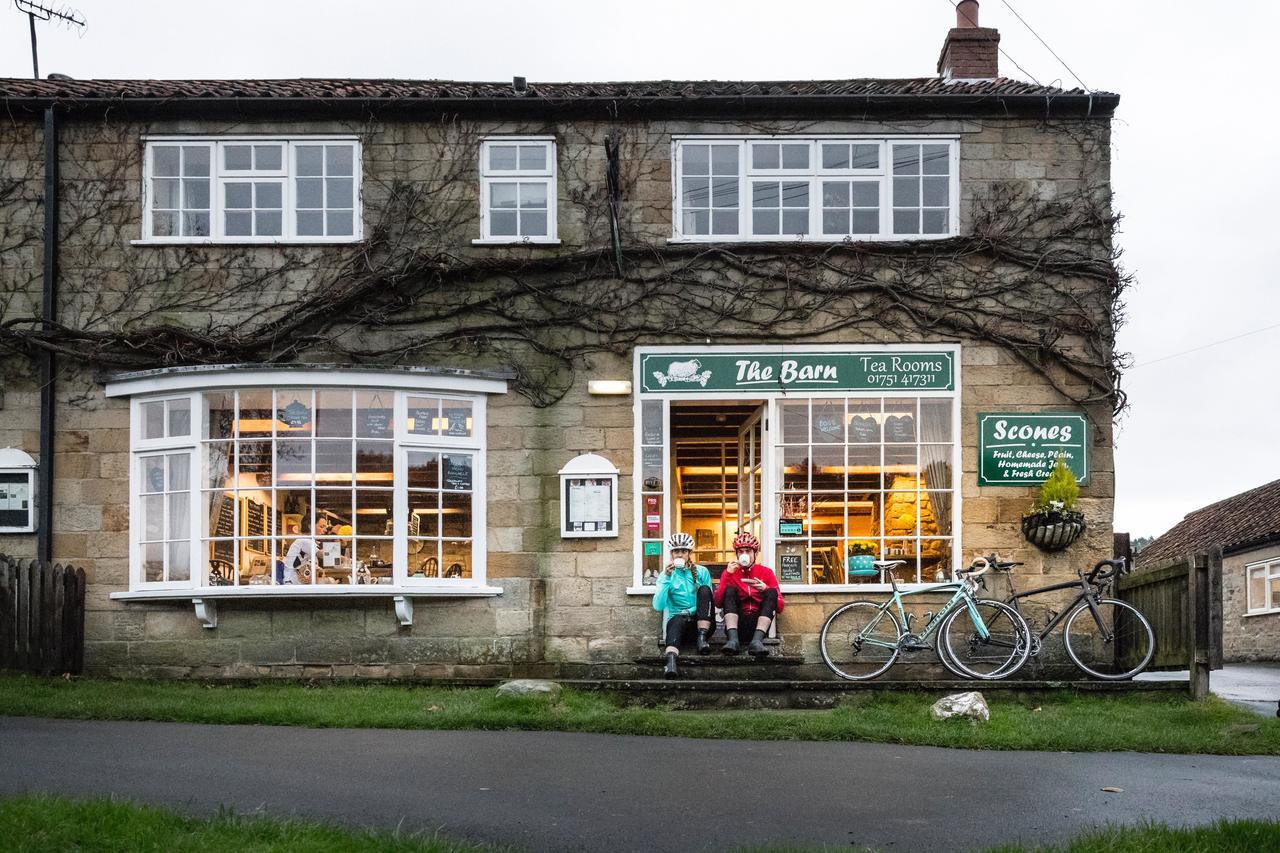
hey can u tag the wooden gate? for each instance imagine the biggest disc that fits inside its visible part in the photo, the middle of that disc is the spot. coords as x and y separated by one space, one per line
41 617
1182 599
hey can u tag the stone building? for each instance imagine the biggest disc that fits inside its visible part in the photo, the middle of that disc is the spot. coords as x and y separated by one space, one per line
1247 529
321 350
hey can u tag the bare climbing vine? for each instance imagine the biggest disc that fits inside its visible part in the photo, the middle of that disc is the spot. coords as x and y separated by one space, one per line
1034 275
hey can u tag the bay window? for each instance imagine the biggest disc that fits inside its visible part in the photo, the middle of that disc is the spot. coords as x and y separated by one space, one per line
822 189
251 189
279 487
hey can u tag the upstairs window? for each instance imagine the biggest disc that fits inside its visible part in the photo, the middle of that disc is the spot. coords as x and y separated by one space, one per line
252 189
821 189
518 190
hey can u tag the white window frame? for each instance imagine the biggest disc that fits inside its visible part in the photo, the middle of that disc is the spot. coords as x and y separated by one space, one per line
549 177
1270 569
219 177
771 398
815 175
192 386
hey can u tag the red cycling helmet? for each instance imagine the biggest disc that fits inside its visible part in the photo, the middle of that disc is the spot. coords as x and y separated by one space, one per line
745 539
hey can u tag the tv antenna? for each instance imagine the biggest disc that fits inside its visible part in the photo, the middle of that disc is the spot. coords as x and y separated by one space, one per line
34 9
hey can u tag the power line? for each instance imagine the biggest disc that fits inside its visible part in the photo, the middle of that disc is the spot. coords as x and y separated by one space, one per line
1046 45
1003 52
1206 346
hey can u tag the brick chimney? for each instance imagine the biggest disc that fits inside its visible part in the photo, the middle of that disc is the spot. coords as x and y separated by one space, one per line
970 52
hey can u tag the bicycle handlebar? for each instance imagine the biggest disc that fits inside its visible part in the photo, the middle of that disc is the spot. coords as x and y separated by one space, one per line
1117 566
978 568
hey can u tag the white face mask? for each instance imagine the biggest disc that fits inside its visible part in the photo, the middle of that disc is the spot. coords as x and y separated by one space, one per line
679 562
746 558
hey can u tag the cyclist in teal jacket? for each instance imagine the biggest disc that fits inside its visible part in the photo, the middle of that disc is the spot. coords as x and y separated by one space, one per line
684 598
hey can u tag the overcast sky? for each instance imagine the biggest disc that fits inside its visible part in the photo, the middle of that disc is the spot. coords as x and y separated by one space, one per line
1195 172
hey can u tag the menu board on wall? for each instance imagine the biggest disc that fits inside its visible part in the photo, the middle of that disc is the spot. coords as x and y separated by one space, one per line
1020 449
423 419
457 471
790 569
255 524
589 505
456 422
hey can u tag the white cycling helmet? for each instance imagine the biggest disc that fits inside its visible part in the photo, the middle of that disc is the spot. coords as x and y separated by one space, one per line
680 540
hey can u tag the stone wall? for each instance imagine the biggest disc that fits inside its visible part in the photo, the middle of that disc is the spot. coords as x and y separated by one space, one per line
564 607
1247 637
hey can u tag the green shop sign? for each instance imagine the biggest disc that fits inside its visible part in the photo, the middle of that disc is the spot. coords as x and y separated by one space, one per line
1019 449
697 372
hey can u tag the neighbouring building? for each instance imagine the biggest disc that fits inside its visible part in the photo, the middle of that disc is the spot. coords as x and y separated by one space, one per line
391 378
1247 529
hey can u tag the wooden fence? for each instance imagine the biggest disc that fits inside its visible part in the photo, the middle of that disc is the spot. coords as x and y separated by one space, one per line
41 617
1182 599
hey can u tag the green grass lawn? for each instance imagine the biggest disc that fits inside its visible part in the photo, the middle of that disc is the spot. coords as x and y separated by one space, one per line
43 824
1082 723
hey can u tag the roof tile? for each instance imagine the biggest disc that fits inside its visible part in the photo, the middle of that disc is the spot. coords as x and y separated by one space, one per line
1249 518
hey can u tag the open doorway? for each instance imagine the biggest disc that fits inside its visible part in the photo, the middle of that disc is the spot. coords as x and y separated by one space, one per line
717 463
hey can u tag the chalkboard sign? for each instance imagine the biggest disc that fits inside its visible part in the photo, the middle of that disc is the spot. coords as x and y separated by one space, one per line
255 524
864 430
224 524
296 414
900 428
423 420
456 420
375 420
457 471
790 569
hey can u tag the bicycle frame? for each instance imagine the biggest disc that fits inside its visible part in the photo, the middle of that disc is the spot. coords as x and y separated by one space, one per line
1088 593
895 600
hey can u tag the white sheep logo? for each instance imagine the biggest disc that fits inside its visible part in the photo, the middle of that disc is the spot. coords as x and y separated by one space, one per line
683 371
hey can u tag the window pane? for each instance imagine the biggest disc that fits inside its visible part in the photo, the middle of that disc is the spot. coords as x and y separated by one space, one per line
835 193
333 462
254 461
179 471
828 421
935 159
533 157
268 223
338 160
180 561
195 224
153 474
906 222
153 563
455 515
256 413
237 157
339 192
533 224
333 412
765 194
503 223
835 222
724 192
503 158
936 192
179 516
310 223
374 462
795 194
239 196
456 472
835 156
533 195
765 222
310 159
152 518
267 157
724 222
165 161
795 156
764 155
164 225
866 156
695 160
164 193
502 195
724 159
310 192
424 513
340 223
827 463
293 461
906 192
865 194
195 161
865 222
373 512
455 560
696 192
906 159
795 421
424 469
456 418
195 193
268 194
1258 588
153 419
220 406
795 222
218 471
934 222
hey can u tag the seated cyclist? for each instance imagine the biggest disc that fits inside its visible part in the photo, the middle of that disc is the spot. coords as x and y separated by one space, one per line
749 594
684 597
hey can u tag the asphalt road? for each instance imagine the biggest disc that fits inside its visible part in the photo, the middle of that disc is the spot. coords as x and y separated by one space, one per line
560 791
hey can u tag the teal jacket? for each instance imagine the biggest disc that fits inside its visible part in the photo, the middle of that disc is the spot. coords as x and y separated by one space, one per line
677 593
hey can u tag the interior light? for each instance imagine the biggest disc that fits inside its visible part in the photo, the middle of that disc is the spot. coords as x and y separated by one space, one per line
609 387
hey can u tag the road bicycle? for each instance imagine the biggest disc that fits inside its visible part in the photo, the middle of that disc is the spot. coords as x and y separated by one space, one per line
861 639
1104 637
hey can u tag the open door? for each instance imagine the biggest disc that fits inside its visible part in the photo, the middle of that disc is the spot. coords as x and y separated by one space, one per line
751 474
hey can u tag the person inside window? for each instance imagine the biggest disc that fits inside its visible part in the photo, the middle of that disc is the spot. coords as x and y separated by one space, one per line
749 594
302 553
684 598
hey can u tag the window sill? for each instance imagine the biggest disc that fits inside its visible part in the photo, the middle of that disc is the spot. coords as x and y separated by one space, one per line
295 241
1262 613
503 241
801 241
325 591
843 589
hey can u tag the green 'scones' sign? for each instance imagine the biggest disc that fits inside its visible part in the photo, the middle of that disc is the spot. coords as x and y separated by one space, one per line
1019 449
698 372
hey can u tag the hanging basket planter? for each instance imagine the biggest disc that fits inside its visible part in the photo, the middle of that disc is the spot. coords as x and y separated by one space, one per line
1052 531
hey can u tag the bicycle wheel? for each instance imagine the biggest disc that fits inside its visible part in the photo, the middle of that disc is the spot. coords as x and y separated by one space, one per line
860 640
1116 646
999 654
